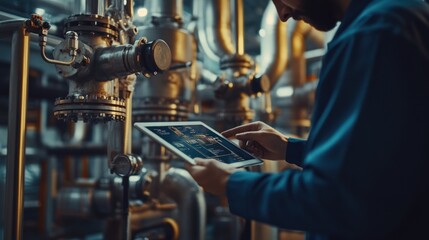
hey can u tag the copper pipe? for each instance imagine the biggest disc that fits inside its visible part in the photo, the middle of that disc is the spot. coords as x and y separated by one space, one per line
301 32
120 133
128 124
298 66
239 27
16 128
53 61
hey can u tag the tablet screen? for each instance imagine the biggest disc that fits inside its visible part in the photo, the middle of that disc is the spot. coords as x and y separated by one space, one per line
195 139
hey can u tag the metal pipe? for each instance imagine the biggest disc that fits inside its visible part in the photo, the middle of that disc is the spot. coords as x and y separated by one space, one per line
9 27
16 128
53 61
299 111
119 134
239 27
300 33
129 9
94 7
168 8
182 188
214 29
274 45
128 90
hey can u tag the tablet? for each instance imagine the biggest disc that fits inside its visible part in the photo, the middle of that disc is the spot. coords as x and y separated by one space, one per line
189 140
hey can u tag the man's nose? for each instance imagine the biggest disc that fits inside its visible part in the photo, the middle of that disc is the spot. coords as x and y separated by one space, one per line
283 11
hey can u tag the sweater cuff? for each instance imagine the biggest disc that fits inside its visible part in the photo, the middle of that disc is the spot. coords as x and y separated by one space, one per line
295 151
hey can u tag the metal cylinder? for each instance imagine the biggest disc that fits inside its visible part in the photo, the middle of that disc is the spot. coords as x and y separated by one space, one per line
94 7
76 202
167 96
89 7
119 61
167 9
16 129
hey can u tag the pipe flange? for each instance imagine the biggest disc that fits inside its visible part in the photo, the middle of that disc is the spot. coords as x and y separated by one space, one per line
160 109
237 61
92 23
91 108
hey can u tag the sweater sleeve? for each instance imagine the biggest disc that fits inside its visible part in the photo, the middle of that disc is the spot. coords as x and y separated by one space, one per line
353 183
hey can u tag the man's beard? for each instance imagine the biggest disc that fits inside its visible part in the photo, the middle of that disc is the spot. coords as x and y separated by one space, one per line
321 14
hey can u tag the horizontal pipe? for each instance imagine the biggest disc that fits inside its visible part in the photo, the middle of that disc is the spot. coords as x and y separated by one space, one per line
8 27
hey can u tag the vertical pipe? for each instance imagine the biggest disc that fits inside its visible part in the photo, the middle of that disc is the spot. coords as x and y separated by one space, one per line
239 27
95 7
125 180
274 45
128 123
167 8
214 30
16 132
119 142
129 8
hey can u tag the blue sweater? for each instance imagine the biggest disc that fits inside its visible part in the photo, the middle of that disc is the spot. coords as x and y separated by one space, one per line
366 161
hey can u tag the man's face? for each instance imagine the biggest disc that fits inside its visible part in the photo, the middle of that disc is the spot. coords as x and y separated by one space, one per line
321 14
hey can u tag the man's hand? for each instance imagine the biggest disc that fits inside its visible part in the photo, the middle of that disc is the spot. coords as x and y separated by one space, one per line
260 139
211 174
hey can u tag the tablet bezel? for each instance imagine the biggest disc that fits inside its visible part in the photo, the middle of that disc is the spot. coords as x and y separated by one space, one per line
142 126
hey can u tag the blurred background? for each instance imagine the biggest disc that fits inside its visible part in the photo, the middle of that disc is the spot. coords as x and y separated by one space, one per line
76 74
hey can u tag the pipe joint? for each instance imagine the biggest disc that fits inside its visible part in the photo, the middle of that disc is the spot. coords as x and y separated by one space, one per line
37 25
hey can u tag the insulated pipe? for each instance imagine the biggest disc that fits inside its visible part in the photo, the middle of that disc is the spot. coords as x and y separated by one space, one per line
214 29
16 128
274 45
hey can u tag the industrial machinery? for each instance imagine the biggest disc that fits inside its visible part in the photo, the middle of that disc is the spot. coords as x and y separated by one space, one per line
80 72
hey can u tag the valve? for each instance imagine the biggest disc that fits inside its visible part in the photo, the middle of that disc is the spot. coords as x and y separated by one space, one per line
248 84
126 164
148 58
260 84
156 55
36 24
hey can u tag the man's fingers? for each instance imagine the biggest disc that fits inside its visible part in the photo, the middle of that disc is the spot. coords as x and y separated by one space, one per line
243 128
201 161
250 136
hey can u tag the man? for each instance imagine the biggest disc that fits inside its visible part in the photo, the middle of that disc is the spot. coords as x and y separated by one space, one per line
364 165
